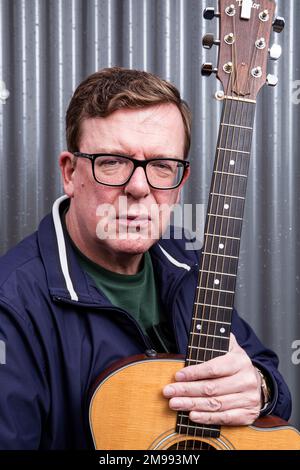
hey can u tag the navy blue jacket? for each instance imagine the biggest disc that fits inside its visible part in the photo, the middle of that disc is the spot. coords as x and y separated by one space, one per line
60 332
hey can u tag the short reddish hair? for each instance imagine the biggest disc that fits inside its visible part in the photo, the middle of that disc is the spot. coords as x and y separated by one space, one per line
115 88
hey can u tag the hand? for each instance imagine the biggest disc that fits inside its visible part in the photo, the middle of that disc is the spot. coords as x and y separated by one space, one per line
225 390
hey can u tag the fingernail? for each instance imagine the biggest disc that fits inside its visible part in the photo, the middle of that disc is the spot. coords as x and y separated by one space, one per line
179 376
176 403
169 391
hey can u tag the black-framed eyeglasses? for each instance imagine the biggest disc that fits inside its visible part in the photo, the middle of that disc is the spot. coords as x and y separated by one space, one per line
116 170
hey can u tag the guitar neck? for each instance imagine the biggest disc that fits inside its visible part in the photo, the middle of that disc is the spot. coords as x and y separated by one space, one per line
214 300
211 321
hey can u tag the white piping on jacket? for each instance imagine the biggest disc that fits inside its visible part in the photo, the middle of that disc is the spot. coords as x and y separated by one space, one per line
62 247
174 261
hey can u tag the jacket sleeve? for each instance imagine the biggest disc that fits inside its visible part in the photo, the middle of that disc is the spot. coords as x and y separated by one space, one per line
23 396
267 361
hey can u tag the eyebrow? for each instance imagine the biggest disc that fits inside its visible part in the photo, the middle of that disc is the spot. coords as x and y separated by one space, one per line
118 151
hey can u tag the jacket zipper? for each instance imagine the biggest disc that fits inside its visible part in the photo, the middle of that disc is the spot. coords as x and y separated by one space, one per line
150 351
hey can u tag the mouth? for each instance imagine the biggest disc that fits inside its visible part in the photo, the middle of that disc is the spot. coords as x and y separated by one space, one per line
134 219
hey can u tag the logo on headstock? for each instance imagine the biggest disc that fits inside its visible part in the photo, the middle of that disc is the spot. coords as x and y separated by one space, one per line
254 5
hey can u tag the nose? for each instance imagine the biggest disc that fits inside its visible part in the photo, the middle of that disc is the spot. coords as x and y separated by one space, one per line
137 186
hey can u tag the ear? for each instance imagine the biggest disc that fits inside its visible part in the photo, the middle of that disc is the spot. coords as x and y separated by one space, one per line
66 163
185 178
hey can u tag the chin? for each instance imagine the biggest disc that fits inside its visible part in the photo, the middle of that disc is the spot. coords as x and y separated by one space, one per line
134 246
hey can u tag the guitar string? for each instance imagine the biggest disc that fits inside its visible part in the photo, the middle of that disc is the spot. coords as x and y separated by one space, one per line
217 223
233 209
227 178
224 163
245 162
196 315
196 306
206 238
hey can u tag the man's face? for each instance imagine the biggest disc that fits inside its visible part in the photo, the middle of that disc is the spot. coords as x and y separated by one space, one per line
130 218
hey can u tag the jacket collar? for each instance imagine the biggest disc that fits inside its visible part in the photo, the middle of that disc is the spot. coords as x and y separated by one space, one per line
68 282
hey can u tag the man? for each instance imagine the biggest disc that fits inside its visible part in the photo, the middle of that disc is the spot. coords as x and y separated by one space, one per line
95 284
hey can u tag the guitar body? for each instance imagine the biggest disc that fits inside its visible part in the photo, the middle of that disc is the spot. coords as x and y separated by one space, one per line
128 411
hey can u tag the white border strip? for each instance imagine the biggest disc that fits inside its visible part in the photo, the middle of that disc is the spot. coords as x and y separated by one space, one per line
62 246
174 261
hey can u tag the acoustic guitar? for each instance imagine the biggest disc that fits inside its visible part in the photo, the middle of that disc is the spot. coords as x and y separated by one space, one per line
127 408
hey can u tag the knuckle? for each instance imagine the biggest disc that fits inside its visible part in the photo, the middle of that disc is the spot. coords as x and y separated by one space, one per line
185 389
213 404
252 415
224 418
209 389
193 405
211 370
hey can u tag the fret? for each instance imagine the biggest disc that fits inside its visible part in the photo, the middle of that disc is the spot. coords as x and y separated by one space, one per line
216 281
204 335
232 163
219 254
221 236
225 225
227 184
235 125
215 306
210 297
208 349
214 272
230 174
239 140
212 321
216 290
233 150
227 195
225 216
238 99
196 427
241 113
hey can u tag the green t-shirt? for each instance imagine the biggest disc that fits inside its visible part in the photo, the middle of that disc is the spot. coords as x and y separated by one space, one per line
137 294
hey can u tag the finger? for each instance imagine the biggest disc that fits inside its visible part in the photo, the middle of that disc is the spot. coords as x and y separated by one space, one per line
233 344
212 388
213 404
234 417
222 366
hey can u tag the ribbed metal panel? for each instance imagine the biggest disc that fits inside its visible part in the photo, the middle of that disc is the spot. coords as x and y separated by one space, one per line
48 46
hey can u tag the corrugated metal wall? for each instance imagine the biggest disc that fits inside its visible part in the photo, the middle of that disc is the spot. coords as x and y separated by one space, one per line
48 46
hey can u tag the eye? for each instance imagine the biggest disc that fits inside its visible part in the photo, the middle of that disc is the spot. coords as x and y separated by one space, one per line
166 166
108 162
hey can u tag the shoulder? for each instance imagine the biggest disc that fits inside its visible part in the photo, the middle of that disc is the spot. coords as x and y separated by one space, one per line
21 268
19 257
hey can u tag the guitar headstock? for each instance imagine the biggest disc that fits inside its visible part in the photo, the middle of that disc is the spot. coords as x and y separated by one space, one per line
245 30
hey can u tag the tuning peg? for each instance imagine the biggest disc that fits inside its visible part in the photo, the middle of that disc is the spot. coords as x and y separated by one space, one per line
278 24
209 40
275 52
209 13
272 80
207 69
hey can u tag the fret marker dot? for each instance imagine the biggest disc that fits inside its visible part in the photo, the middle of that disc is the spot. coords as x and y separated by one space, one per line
217 282
198 327
232 162
226 206
222 330
221 246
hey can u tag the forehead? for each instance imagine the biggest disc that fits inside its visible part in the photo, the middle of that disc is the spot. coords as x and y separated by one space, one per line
151 129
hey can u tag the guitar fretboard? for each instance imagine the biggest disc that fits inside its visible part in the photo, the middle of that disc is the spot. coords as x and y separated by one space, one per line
211 321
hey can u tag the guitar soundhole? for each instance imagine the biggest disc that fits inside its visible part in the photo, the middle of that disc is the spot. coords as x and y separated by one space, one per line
191 445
